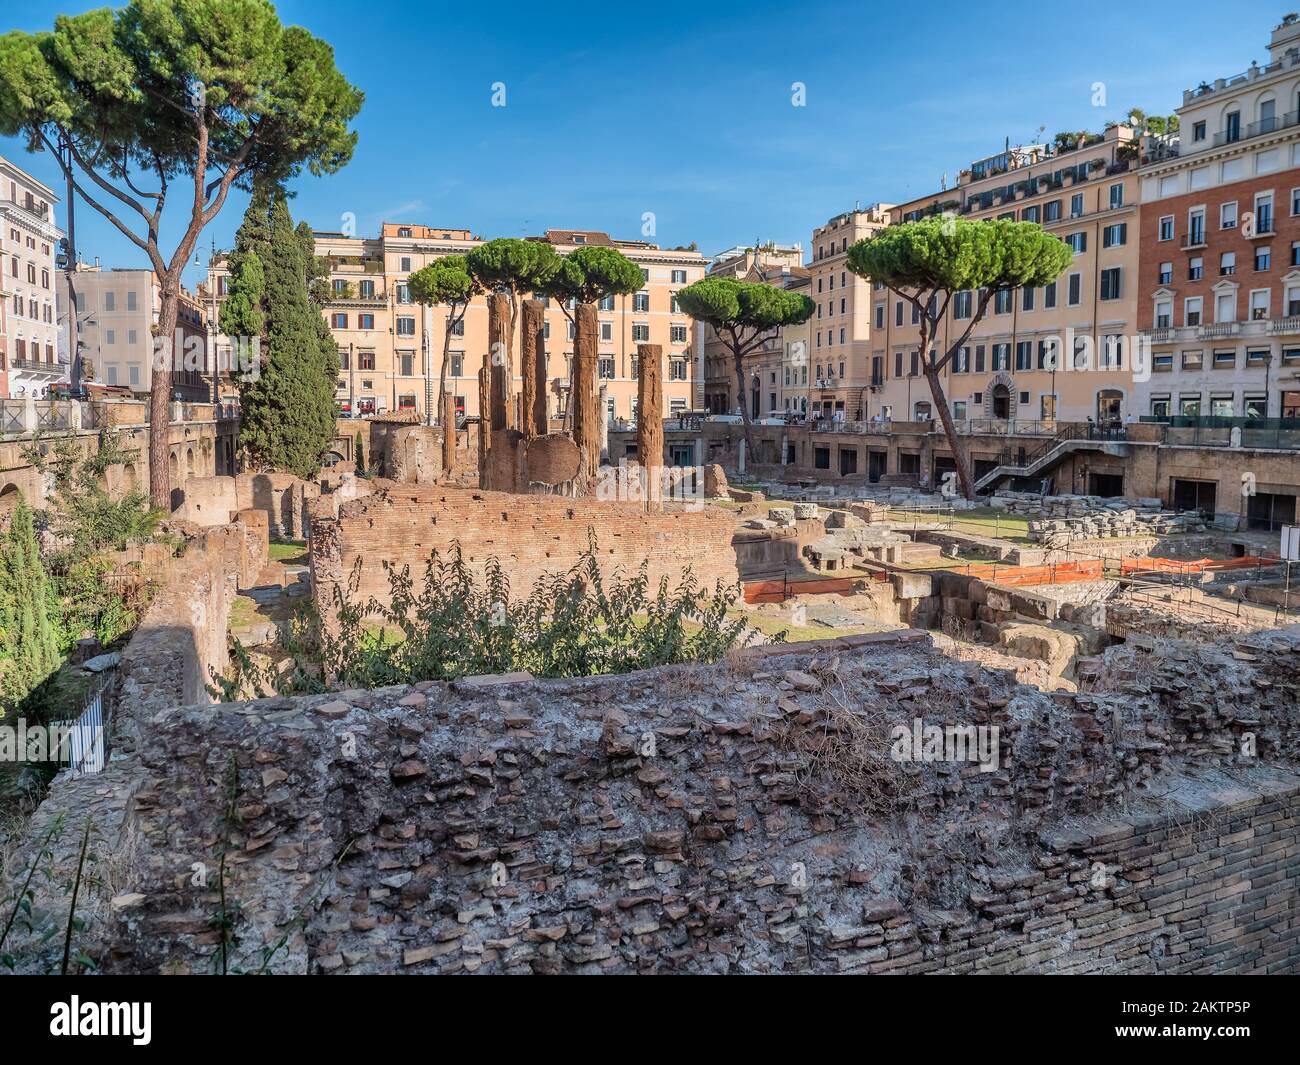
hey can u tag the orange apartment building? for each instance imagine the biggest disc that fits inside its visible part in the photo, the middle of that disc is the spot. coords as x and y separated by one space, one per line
390 348
1220 238
841 379
1008 373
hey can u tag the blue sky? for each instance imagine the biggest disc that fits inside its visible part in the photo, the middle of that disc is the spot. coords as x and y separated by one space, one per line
684 109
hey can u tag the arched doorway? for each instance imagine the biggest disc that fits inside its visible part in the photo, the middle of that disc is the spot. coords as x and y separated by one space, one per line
8 499
189 462
1001 396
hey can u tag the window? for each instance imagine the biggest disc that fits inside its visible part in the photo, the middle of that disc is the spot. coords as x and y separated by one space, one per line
1074 295
1076 205
338 321
1024 354
1263 213
1225 360
406 327
365 321
1227 264
641 302
1001 357
1166 228
1254 406
1225 307
1030 214
1263 258
880 316
606 331
1228 215
403 231
677 369
1257 356
457 364
1259 301
1002 301
407 360
677 334
1160 406
1078 242
1049 295
1165 276
1117 195
1196 226
1027 299
605 369
961 305
1192 310
366 361
367 289
403 292
1189 404
641 333
1164 314
898 313
1198 131
405 263
679 277
1110 283
1052 211
1114 236
1195 268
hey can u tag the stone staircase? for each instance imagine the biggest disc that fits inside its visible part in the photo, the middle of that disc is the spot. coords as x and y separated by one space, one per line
1072 439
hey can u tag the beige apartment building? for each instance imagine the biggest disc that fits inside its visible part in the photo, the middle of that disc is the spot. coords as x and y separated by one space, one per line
777 372
117 310
840 380
30 359
390 348
1085 194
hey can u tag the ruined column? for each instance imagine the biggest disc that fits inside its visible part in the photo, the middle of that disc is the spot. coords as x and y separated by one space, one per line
586 413
484 388
602 410
499 358
448 435
650 421
533 340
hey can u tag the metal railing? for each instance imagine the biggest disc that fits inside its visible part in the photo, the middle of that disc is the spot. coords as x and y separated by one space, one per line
88 737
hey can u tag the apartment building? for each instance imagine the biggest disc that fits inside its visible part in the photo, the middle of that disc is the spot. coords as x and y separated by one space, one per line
1087 195
29 240
117 310
777 372
840 378
390 348
1220 247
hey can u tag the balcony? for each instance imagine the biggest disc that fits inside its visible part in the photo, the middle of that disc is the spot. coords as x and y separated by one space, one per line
1194 239
1220 329
1256 129
39 366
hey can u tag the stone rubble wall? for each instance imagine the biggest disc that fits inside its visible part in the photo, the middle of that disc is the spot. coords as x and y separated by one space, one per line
683 820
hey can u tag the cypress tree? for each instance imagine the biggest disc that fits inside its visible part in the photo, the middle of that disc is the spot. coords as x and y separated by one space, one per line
29 642
287 412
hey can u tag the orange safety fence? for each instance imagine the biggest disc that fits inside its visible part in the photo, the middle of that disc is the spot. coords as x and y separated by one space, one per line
1199 565
775 591
1052 573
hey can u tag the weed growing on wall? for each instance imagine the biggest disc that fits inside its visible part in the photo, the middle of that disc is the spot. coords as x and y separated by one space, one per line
450 623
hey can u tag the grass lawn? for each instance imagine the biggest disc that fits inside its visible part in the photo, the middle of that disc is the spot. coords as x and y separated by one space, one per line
292 551
982 521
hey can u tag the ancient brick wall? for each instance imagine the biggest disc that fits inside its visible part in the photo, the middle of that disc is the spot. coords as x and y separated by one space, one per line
531 535
677 820
183 635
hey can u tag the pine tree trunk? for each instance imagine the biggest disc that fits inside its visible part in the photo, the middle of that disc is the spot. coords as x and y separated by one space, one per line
650 421
959 456
160 387
586 406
